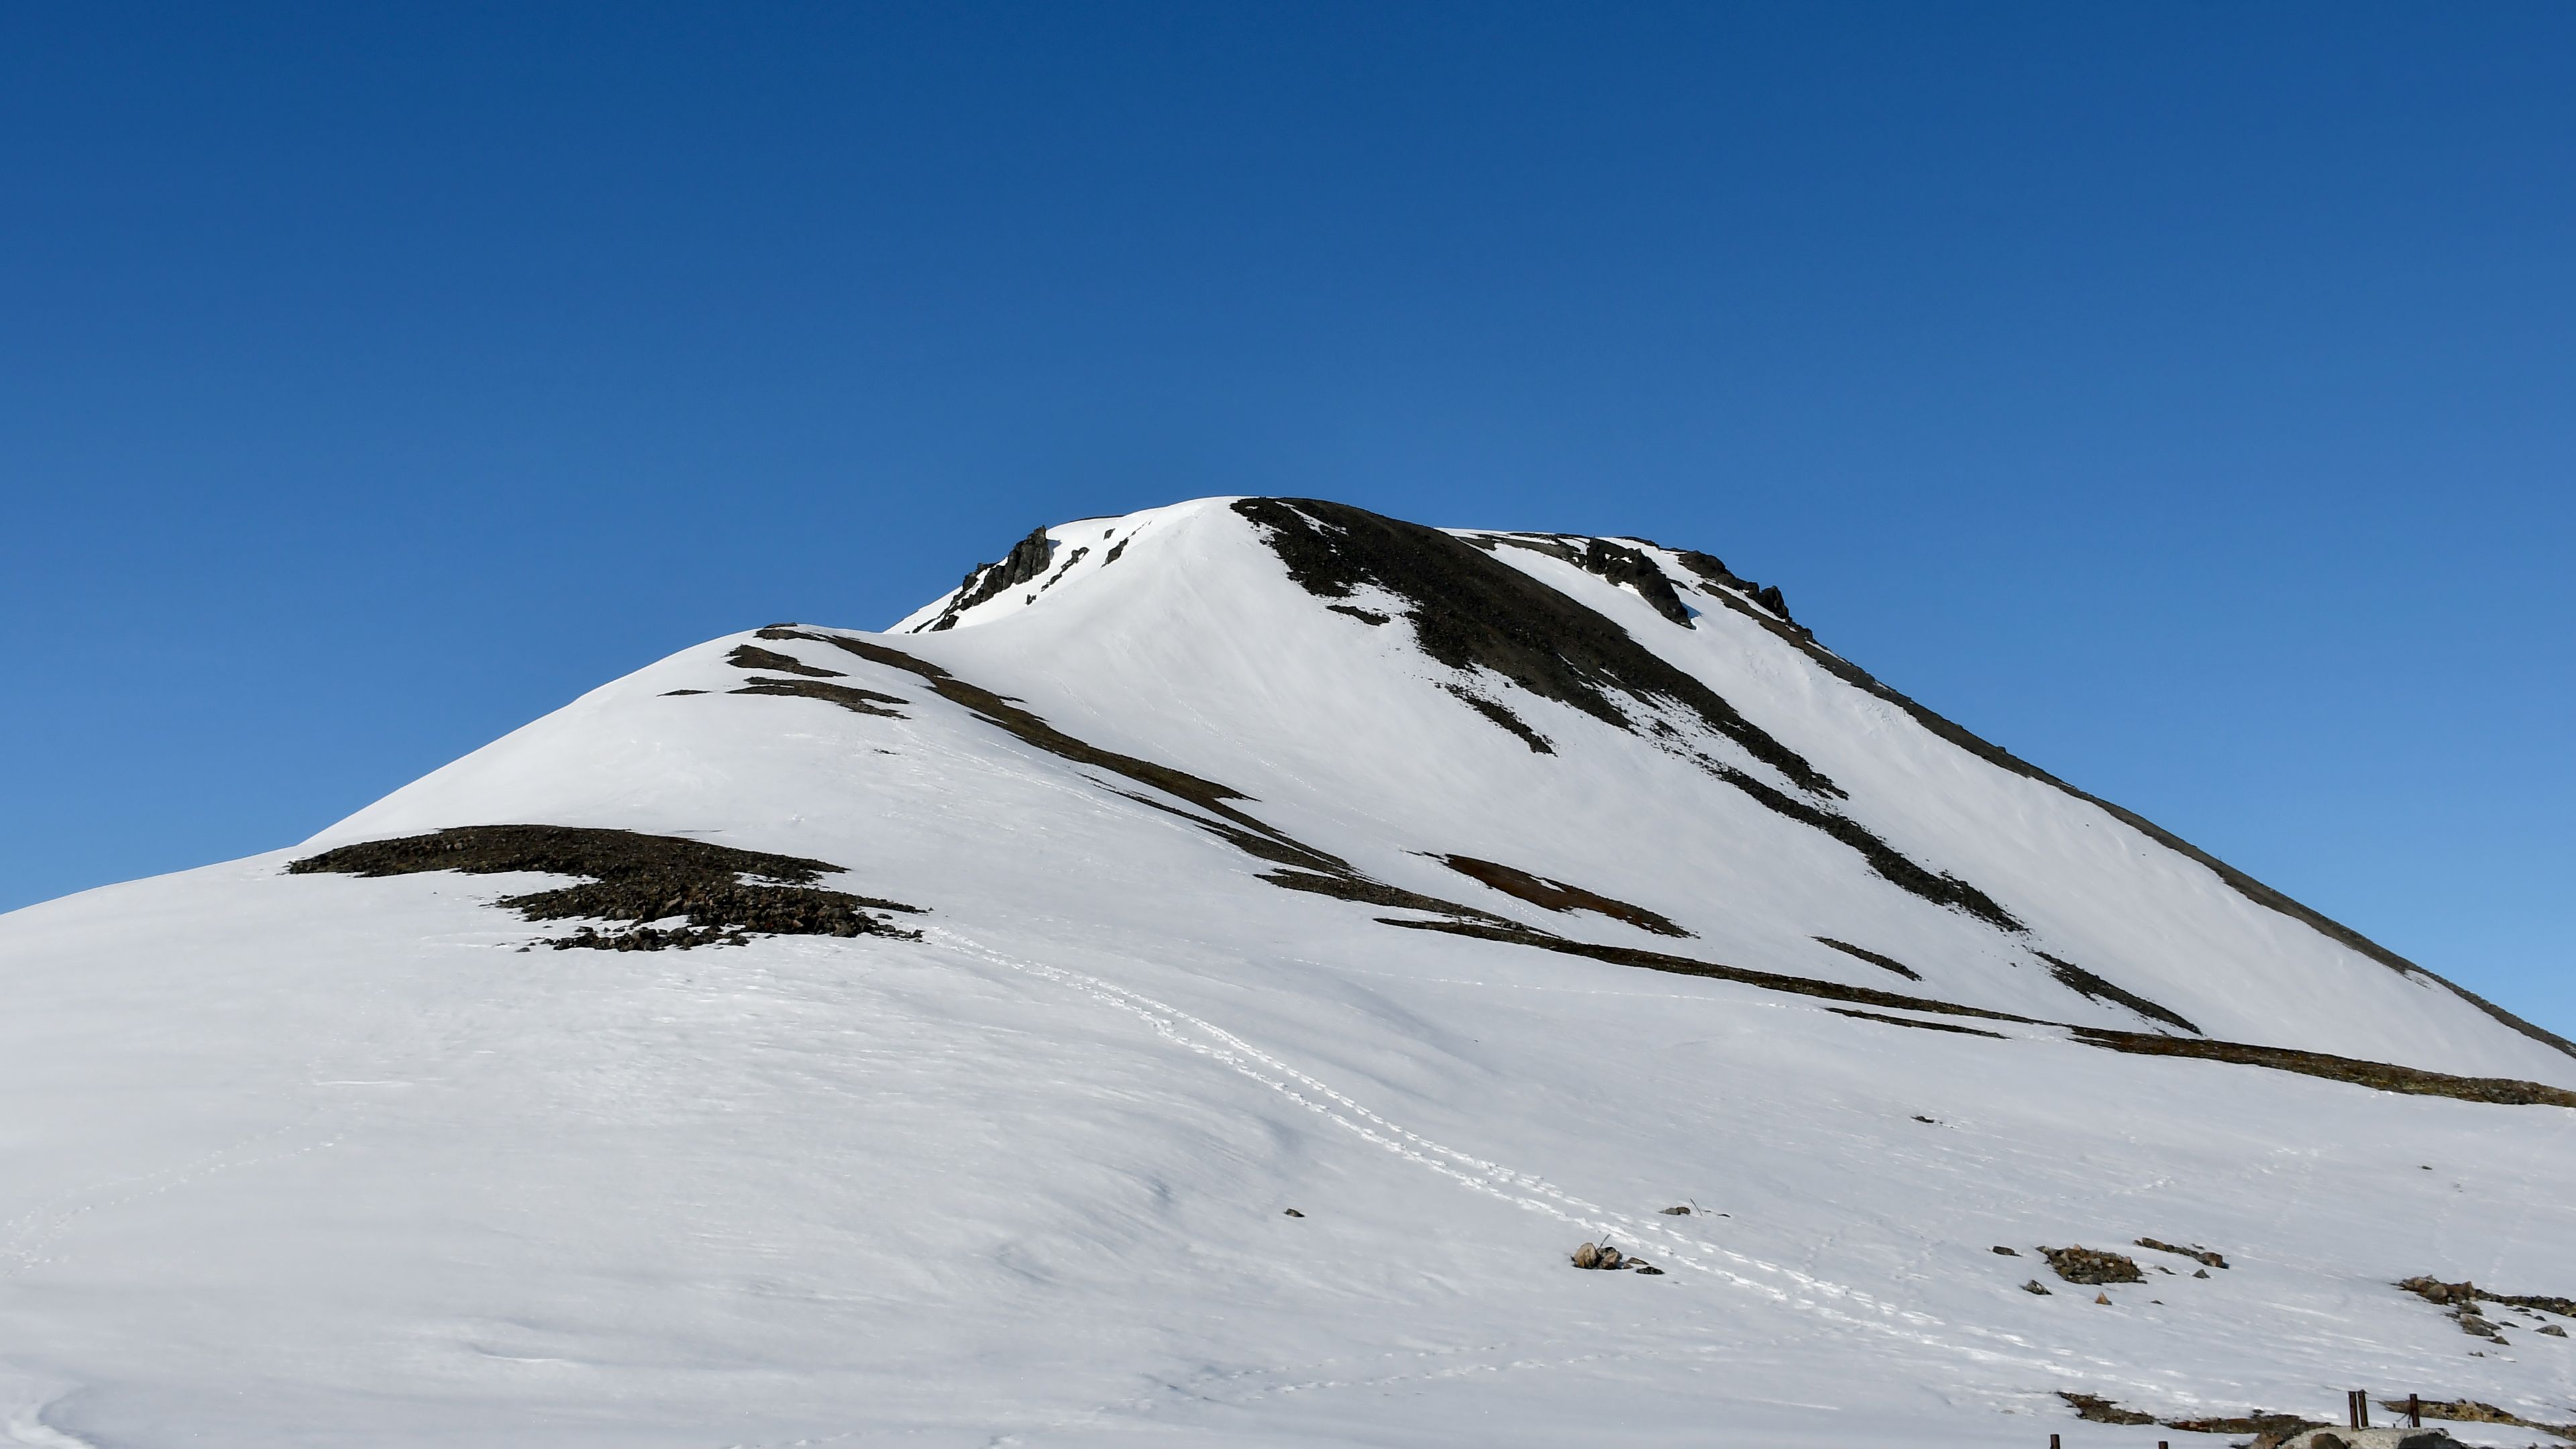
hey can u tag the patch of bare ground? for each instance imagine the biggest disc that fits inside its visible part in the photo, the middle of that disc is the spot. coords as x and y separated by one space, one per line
1502 718
752 656
2381 1076
2195 1252
634 878
2463 1299
2092 1267
1909 1021
2094 1409
1872 957
1556 895
1687 966
1886 861
849 697
2076 978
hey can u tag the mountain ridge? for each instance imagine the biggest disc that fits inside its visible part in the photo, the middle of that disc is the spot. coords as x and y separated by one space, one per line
942 1021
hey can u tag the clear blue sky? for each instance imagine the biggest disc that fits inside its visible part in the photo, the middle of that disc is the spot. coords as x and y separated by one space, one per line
2184 396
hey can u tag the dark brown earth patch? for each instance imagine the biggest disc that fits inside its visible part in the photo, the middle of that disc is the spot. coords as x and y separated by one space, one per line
2196 1253
2092 1267
1350 886
2381 1076
2253 1421
1503 719
634 878
1686 966
2434 1290
2094 1409
2078 979
751 656
849 697
1365 616
1890 864
1872 957
1909 1021
1472 611
1556 895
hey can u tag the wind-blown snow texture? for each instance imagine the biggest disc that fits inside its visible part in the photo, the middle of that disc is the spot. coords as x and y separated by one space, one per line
1267 855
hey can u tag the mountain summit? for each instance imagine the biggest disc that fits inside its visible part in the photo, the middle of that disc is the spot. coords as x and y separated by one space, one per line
1239 973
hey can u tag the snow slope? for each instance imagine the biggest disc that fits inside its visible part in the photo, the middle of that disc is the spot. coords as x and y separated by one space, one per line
322 1158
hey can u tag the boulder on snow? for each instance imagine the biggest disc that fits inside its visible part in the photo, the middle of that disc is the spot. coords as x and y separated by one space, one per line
2089 1267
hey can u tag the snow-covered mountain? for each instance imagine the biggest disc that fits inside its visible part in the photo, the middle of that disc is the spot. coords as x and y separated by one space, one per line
1199 982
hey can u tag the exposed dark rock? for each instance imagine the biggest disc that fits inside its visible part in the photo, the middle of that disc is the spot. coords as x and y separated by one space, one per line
1621 564
1365 616
1872 957
2463 1299
1025 562
1687 966
1889 863
1509 722
2383 1076
849 697
2196 1253
1917 1025
2079 979
2094 1409
2092 1267
1556 895
1471 611
1347 885
635 878
1598 1256
1077 556
751 656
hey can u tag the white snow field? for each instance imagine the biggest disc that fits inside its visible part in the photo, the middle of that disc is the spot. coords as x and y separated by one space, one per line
327 1158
